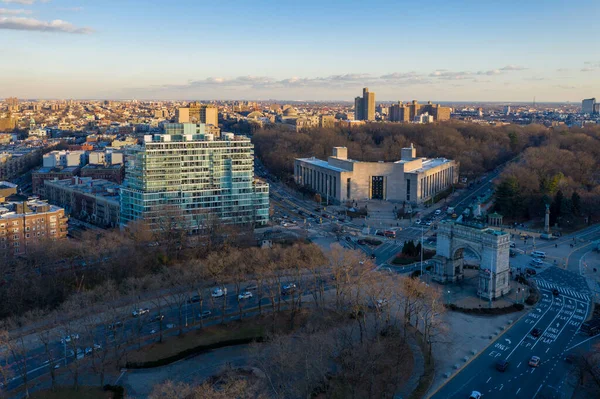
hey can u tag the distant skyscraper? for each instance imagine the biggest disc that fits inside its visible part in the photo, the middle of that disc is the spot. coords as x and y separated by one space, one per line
198 113
364 107
507 110
587 106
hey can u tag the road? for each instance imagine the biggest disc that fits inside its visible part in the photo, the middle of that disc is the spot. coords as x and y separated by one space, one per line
559 319
146 328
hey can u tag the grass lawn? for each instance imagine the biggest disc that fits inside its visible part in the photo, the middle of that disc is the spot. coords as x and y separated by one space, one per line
249 328
69 393
408 260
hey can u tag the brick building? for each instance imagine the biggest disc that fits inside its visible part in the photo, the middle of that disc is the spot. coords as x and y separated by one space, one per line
23 222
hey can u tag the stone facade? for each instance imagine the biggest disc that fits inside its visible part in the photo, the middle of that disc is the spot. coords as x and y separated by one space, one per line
491 246
410 179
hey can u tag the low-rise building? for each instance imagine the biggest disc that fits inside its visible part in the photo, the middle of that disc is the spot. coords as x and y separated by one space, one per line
49 173
25 221
411 179
95 201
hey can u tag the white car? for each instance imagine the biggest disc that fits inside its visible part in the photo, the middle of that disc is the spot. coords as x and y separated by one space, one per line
438 212
475 395
68 338
245 295
537 262
140 312
218 292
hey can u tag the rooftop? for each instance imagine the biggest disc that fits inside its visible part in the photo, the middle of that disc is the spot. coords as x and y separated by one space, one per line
323 164
58 169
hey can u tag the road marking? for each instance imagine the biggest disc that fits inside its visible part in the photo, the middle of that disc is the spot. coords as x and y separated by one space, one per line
501 386
122 374
526 335
538 391
547 349
518 390
488 380
519 364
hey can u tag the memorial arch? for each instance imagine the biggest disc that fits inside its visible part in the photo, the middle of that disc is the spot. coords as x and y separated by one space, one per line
491 246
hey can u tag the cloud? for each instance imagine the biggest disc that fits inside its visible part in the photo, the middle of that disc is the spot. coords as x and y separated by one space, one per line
513 68
6 11
31 24
588 69
562 70
23 2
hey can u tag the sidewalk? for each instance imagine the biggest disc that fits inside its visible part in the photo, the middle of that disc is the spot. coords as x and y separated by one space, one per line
417 371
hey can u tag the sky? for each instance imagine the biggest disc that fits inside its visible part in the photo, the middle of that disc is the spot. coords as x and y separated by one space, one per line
461 50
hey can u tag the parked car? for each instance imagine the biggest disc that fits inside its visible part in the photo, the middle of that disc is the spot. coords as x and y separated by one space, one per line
288 288
194 299
437 212
475 395
205 314
530 272
245 295
158 317
218 292
502 365
534 361
251 287
536 332
513 244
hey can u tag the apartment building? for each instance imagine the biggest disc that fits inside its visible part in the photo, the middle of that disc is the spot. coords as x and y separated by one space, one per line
364 107
407 112
25 221
95 201
192 178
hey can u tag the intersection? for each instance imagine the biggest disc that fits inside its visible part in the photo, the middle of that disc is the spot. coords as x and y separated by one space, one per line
558 319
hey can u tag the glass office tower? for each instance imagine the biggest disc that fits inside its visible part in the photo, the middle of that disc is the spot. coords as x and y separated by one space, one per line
188 176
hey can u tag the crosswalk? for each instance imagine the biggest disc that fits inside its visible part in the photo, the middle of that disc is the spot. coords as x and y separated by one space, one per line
562 290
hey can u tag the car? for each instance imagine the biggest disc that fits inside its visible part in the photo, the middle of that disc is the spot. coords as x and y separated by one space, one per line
80 353
475 395
218 292
502 365
536 332
204 314
427 223
534 361
97 347
555 292
513 244
158 317
245 295
88 351
194 299
373 256
251 287
529 271
537 262
69 338
571 358
140 312
115 325
437 212
418 221
381 303
170 325
290 286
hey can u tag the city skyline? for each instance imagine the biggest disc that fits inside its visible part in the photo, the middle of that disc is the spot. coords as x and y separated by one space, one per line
267 50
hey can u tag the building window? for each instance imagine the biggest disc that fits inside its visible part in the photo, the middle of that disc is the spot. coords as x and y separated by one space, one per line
377 187
348 183
408 189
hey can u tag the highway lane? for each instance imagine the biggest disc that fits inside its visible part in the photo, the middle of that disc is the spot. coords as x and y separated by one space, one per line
558 319
38 361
